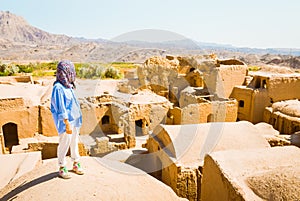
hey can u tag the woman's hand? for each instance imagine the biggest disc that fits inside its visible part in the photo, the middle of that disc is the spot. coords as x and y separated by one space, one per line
68 127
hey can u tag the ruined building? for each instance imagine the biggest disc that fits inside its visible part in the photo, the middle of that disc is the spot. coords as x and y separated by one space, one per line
17 120
284 116
187 107
263 90
124 115
199 87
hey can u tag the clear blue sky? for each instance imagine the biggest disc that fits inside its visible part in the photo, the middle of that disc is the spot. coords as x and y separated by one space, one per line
251 23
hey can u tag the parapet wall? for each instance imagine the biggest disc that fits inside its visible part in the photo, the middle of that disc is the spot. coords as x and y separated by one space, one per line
9 104
12 79
215 111
284 88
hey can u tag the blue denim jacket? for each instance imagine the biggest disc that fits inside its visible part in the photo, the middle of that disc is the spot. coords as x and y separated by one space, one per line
64 105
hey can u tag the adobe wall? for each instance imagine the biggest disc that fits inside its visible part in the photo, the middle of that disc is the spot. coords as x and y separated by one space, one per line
49 149
221 80
25 118
195 78
9 104
174 116
265 174
260 101
243 96
180 149
229 77
179 84
12 79
251 103
215 111
158 72
286 122
46 122
284 88
2 145
129 86
191 95
151 114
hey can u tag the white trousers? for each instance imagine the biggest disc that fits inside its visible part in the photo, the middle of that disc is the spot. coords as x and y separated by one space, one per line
66 141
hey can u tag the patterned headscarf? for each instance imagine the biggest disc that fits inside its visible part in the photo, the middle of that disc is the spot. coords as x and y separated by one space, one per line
65 73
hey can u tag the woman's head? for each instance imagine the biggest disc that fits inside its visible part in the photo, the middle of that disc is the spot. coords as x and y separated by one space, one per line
65 73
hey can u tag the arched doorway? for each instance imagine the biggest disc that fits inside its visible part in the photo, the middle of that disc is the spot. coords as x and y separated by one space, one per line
141 127
210 118
138 128
10 133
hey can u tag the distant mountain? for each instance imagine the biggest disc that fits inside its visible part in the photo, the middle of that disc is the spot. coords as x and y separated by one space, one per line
189 44
21 41
15 29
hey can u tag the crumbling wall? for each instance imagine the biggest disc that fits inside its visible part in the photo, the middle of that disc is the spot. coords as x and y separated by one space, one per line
9 104
129 86
158 115
150 115
191 95
186 184
179 84
104 146
158 73
49 149
283 88
284 116
221 79
174 116
91 116
215 111
118 113
195 78
229 77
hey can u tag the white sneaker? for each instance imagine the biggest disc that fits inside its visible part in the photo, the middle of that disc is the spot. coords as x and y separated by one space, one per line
77 168
64 173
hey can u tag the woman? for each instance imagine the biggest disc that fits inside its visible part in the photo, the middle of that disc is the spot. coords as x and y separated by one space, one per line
67 117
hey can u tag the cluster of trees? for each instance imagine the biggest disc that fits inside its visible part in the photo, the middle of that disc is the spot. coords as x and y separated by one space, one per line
91 71
83 70
13 69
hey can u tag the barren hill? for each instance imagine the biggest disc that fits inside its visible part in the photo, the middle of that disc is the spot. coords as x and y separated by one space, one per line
19 41
15 29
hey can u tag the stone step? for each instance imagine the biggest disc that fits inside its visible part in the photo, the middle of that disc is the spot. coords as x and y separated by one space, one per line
116 137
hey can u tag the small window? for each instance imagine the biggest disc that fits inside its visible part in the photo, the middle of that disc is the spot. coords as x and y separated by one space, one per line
105 119
241 103
192 69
